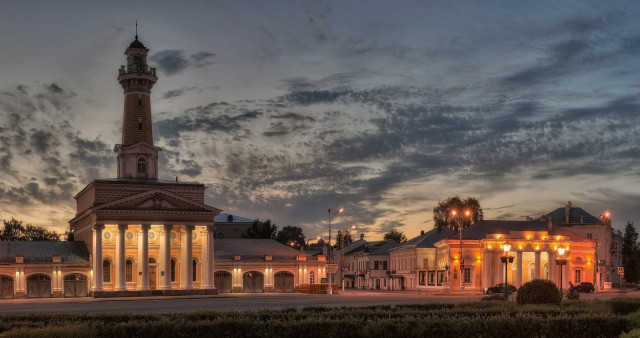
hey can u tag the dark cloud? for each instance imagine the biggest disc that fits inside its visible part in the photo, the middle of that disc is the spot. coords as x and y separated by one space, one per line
177 92
42 141
173 61
202 59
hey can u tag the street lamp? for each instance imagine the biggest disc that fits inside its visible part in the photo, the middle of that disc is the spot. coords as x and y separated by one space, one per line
506 259
560 262
458 218
329 291
342 249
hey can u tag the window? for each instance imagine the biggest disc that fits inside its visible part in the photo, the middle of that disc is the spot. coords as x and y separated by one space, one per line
218 234
384 265
589 236
140 124
312 277
128 271
578 278
142 165
106 271
375 265
467 275
195 270
139 102
173 270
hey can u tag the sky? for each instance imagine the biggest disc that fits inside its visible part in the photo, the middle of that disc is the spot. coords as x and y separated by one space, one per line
285 109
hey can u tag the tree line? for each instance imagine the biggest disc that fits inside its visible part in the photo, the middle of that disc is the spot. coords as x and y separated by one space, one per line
14 230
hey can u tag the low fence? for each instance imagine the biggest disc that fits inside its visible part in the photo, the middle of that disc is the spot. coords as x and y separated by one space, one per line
317 288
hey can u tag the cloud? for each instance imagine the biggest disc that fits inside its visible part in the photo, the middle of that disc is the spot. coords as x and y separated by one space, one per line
177 92
202 59
173 61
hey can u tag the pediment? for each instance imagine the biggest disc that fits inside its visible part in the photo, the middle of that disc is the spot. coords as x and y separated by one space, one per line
157 200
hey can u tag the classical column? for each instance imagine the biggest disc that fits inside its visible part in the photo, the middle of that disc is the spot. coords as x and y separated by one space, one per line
553 268
120 277
206 263
498 268
97 257
186 250
165 257
519 269
143 257
486 260
537 265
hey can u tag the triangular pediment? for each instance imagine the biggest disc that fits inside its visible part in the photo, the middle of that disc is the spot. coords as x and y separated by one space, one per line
157 200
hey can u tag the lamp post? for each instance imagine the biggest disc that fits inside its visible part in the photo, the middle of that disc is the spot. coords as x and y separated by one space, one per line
560 262
342 268
329 291
506 259
457 217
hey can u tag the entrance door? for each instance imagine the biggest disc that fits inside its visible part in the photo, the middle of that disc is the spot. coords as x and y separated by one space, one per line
283 282
222 281
252 282
6 287
152 277
76 285
38 286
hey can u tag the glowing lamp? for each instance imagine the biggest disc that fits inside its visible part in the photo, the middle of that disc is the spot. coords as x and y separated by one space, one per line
506 247
499 236
561 251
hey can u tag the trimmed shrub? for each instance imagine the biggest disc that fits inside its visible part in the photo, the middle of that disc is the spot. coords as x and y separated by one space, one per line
573 296
539 291
494 297
624 306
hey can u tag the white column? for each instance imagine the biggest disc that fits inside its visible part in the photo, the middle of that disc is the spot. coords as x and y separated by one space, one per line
486 260
206 263
186 250
97 257
143 257
120 271
519 269
553 268
165 257
537 265
499 269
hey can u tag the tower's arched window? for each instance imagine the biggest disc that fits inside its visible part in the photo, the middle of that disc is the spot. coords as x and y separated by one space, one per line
139 121
142 165
106 271
173 270
128 268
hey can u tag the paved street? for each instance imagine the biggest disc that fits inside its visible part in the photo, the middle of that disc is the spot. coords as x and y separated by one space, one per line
242 302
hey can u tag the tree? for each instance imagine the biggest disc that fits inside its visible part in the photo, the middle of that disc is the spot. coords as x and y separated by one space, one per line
291 234
261 230
444 219
14 231
348 238
395 235
631 254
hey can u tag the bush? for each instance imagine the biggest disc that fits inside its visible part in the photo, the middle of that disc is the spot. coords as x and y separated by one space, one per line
573 296
539 291
622 306
493 297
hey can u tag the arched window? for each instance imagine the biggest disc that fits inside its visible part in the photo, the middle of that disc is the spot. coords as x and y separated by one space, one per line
142 165
106 271
312 277
195 270
128 271
173 270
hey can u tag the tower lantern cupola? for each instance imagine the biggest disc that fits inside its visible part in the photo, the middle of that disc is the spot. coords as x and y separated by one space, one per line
137 156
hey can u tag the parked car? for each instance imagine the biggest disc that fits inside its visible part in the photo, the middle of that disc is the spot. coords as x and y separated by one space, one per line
585 287
500 289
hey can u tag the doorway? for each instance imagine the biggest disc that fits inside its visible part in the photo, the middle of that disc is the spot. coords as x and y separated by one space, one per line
152 277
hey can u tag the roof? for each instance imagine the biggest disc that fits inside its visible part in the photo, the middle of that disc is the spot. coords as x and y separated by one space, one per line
576 216
351 247
250 249
224 218
43 252
150 181
137 44
427 240
384 247
480 229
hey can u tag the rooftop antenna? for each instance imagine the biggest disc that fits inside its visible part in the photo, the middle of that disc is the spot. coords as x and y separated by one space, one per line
136 29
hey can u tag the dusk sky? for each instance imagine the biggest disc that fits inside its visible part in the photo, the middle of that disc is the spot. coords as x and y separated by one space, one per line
284 109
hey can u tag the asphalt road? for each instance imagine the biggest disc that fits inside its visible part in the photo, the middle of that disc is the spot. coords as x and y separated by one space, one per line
227 302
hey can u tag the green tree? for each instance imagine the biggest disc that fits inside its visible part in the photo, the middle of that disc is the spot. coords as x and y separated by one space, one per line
291 234
442 213
14 230
395 235
630 254
348 238
261 230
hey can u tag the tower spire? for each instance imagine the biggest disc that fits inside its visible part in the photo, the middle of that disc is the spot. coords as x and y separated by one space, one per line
136 29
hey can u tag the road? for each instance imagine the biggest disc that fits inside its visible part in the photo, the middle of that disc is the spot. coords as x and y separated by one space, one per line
226 302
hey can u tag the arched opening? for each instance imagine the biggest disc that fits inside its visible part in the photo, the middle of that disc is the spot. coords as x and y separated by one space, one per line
283 282
6 287
173 270
38 286
312 277
142 166
76 285
252 282
222 281
194 270
106 271
153 276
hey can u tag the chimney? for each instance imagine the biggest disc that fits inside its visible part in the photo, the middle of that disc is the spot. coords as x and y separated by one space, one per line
421 232
567 212
361 236
550 226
